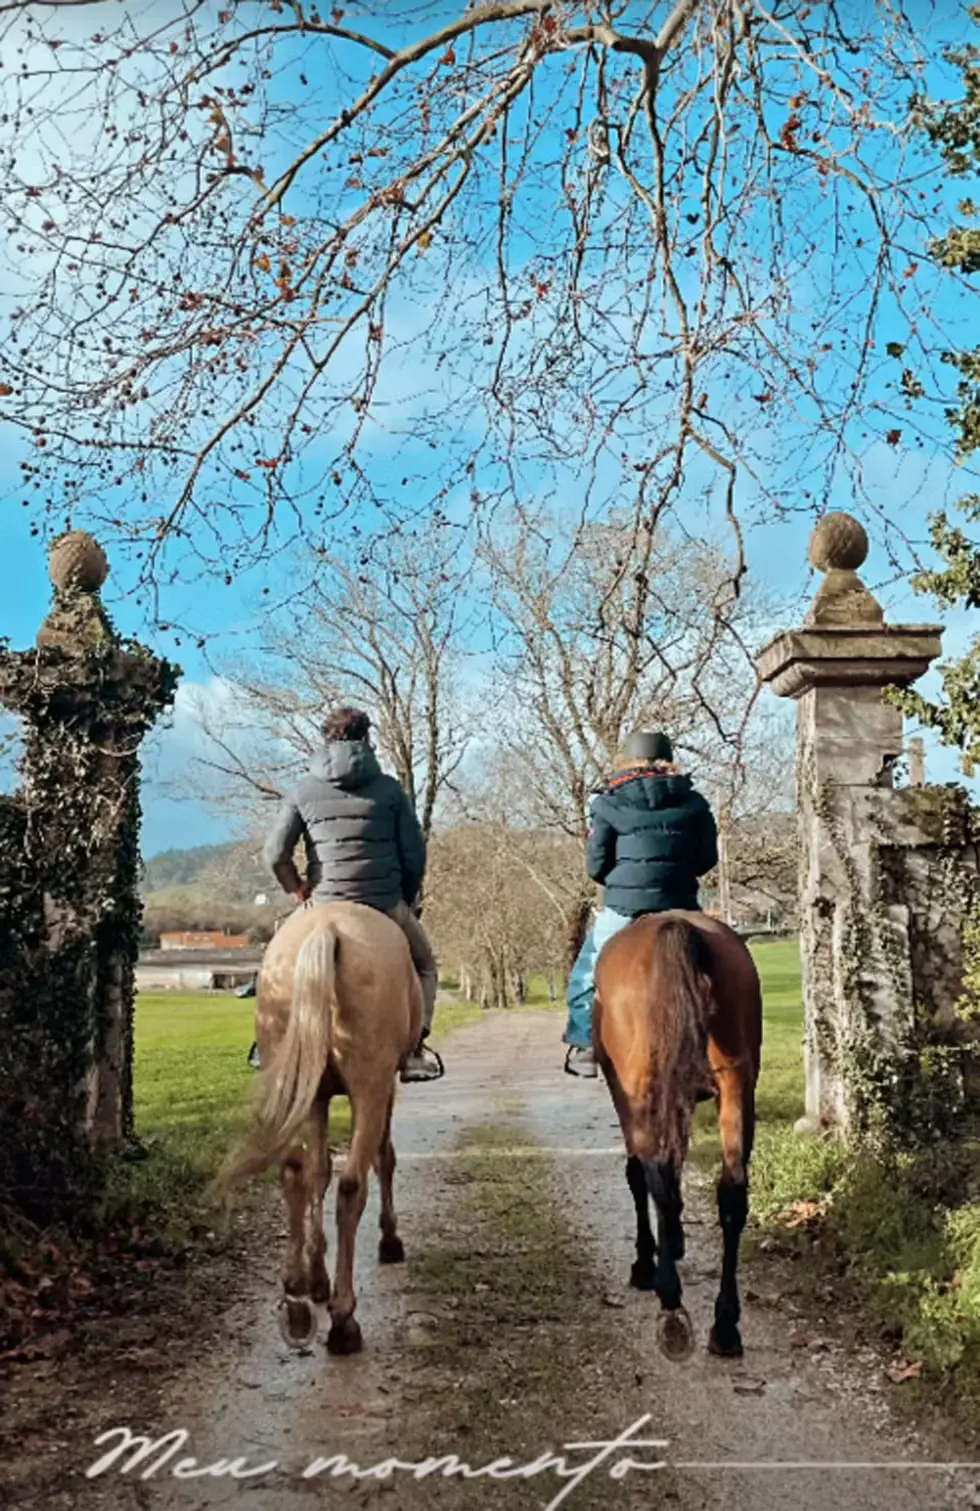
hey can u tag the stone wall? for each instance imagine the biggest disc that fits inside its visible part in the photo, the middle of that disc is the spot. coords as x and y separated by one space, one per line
888 876
69 858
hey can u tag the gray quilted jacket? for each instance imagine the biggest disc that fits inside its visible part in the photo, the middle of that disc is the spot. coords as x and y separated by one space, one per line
363 842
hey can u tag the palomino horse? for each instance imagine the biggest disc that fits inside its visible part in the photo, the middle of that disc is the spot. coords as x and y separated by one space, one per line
678 1020
339 1008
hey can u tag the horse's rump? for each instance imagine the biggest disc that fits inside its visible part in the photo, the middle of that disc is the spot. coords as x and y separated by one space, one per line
678 1002
338 1010
677 997
378 995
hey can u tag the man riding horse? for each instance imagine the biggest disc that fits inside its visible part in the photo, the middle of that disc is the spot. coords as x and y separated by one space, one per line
651 838
363 844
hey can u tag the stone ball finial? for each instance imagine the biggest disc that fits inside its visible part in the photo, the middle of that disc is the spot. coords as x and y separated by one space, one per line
76 560
839 543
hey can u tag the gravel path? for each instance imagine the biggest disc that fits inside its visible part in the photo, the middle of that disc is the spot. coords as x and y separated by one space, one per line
795 1410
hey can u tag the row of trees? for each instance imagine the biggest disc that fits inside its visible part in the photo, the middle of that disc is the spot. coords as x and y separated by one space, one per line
500 896
503 675
437 263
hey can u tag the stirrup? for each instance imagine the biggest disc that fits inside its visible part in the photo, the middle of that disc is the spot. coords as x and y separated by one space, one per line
422 1050
579 1048
426 1049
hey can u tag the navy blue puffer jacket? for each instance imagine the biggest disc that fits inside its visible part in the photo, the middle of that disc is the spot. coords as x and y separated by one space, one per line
651 838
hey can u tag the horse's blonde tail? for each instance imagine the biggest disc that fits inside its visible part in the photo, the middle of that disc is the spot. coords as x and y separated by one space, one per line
289 1086
680 1003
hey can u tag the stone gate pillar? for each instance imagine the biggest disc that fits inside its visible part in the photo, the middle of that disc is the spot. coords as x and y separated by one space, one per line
880 938
69 864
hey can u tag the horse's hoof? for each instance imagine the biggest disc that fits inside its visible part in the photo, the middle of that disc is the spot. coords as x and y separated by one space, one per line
725 1342
641 1276
298 1322
345 1338
320 1291
675 1335
391 1250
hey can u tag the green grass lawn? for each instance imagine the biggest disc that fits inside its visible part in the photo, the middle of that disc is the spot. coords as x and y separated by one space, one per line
779 1095
193 1087
912 1259
780 1091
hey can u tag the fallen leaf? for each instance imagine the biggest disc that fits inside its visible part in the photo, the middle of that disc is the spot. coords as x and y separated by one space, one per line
899 1373
893 437
49 1346
749 1387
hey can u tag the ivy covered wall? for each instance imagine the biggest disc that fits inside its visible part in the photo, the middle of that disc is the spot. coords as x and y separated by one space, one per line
903 1009
889 885
69 902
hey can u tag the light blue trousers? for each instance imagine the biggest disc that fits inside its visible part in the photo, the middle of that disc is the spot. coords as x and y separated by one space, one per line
581 984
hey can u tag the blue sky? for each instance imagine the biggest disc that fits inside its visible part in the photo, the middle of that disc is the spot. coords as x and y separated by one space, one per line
906 482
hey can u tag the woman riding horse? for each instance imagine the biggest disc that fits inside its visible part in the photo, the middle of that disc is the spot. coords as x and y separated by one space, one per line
673 1008
651 838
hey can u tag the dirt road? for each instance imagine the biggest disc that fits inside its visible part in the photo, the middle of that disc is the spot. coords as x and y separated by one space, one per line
511 1332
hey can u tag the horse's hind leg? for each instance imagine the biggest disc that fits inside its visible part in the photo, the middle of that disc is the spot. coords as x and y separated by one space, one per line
391 1250
319 1180
369 1126
297 1318
665 1188
676 1335
293 1175
737 1122
643 1272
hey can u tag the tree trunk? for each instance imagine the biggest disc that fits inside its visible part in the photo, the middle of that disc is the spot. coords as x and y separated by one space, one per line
578 927
498 982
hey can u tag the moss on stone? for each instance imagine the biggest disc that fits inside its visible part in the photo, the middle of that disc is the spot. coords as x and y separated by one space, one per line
69 862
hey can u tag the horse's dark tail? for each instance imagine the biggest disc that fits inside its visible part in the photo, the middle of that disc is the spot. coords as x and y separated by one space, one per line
680 1004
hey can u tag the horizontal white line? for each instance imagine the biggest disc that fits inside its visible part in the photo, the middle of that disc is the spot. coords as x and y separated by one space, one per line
803 1464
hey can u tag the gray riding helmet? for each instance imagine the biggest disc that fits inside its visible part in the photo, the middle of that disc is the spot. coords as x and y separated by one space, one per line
644 746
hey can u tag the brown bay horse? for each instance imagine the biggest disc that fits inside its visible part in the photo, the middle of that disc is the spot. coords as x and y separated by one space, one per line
678 1020
338 1010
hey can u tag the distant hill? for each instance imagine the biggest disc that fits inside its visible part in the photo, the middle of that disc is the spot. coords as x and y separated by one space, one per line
233 872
